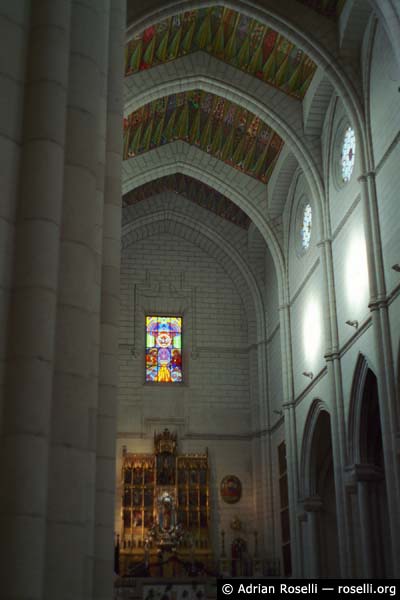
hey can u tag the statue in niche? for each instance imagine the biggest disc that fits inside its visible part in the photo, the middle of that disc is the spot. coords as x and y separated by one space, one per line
165 469
166 532
166 514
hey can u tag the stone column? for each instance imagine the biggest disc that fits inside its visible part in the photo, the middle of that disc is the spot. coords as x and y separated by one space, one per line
290 437
262 423
366 478
34 300
69 551
104 13
14 27
364 509
338 421
313 506
110 303
385 366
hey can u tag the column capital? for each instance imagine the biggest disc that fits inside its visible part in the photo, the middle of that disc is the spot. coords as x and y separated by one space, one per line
312 504
284 306
362 472
324 242
288 405
378 303
331 355
302 517
365 176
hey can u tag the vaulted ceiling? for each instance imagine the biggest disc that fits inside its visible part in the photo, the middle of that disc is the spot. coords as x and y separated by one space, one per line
219 127
230 36
214 124
195 191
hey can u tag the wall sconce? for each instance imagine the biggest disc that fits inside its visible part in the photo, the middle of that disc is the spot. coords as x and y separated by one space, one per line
278 412
352 323
396 268
308 374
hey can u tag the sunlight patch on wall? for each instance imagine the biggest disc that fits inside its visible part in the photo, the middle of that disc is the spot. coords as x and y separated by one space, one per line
356 273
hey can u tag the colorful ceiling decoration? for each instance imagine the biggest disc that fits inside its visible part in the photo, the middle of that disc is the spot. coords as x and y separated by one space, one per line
229 36
327 8
214 124
195 191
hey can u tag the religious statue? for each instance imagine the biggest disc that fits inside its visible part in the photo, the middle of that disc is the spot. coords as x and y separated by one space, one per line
166 532
166 515
165 469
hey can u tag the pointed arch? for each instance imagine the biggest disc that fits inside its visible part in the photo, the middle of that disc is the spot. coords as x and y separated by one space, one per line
355 410
209 239
173 158
312 33
307 477
280 112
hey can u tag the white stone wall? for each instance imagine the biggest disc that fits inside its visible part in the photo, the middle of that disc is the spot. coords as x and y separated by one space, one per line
384 95
162 273
219 325
385 129
338 215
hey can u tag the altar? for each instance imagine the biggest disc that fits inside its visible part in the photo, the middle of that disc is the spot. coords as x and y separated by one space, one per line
129 588
165 513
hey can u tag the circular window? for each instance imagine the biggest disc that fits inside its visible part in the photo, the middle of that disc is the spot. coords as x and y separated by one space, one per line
306 227
348 154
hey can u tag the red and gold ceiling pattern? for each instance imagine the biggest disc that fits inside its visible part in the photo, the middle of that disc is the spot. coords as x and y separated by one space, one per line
217 126
193 190
237 39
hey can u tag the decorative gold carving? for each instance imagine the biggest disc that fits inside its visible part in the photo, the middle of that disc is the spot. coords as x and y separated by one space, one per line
165 442
147 478
236 523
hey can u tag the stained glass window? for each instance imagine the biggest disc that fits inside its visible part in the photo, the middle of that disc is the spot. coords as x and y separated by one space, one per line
348 154
163 349
306 227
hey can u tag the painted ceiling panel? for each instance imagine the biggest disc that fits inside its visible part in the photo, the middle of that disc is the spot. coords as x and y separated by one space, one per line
230 36
328 8
194 190
216 125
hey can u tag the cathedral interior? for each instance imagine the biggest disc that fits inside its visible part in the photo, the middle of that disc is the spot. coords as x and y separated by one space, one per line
199 294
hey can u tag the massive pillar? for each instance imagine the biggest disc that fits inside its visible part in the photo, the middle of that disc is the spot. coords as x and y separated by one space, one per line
34 297
14 27
110 290
338 426
312 506
290 438
69 553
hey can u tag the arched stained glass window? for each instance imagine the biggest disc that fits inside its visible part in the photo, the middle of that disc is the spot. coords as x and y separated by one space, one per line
306 227
348 154
163 349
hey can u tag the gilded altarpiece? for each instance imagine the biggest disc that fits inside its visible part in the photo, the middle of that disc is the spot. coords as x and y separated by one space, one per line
154 531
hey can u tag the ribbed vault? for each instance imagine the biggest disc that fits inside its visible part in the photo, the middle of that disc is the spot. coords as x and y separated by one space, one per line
194 190
174 158
312 32
194 229
230 36
216 125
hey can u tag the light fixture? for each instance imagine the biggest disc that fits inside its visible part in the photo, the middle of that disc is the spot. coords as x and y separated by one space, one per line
308 374
352 323
278 412
396 267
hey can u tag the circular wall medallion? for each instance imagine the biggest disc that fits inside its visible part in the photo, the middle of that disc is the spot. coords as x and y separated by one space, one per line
231 489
